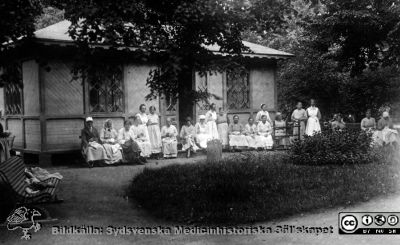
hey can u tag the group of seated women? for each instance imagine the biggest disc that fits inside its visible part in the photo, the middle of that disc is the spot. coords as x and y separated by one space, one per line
136 141
129 144
383 132
142 137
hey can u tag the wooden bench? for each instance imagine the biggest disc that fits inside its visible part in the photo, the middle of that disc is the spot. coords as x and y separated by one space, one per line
12 173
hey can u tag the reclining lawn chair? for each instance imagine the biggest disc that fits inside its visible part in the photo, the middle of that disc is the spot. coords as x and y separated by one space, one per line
12 173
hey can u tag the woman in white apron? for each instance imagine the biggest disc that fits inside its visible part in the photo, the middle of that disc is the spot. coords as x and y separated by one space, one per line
211 118
313 116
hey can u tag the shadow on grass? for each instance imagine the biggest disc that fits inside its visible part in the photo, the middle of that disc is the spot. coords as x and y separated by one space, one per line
256 187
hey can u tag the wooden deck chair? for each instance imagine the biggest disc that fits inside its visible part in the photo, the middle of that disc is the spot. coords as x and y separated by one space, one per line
12 172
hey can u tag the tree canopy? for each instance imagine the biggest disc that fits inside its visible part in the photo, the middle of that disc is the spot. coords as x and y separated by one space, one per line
18 18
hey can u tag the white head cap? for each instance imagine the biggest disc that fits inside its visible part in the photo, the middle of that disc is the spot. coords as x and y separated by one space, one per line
202 117
89 119
385 114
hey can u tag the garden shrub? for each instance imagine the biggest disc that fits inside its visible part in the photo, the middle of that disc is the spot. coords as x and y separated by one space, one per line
348 146
256 186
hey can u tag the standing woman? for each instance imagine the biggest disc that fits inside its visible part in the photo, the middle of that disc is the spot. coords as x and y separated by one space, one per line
299 117
142 114
314 116
153 127
263 112
222 125
211 118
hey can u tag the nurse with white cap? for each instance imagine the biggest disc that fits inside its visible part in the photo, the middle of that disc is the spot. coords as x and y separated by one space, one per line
202 132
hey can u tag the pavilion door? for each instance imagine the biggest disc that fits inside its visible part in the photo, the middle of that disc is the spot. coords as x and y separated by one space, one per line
169 108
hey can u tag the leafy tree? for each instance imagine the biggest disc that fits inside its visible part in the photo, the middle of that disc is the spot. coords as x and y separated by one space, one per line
18 18
177 30
359 33
346 55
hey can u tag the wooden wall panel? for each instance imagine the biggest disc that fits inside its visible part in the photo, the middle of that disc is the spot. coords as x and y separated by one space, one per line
135 78
30 77
262 88
216 86
15 127
63 134
62 95
32 135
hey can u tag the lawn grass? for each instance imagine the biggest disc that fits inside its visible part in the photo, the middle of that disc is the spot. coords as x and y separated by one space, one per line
257 187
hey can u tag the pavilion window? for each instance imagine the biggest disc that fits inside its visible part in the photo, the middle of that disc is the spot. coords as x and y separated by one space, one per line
13 90
105 89
238 90
202 87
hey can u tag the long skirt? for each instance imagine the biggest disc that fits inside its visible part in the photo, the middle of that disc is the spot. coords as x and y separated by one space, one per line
296 130
113 152
170 147
264 141
313 126
251 141
213 130
189 143
130 150
223 133
145 148
202 140
94 152
238 141
385 135
155 138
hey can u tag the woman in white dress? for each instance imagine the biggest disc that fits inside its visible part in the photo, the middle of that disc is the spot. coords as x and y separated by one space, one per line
237 137
130 149
385 133
139 134
153 128
263 112
211 118
142 114
202 134
109 136
313 116
264 134
188 136
251 133
222 125
169 143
